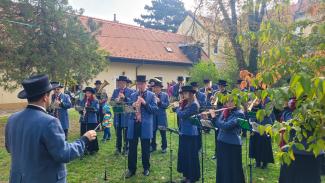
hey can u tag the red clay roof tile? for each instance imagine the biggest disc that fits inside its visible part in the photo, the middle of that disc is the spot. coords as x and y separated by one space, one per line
133 42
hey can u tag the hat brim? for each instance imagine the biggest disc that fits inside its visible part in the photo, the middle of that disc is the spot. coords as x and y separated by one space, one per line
23 95
192 91
92 91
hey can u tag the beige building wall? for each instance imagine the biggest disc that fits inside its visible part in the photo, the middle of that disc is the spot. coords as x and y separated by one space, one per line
201 34
167 72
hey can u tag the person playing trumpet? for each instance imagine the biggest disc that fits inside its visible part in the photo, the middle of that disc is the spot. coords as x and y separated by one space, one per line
229 155
188 150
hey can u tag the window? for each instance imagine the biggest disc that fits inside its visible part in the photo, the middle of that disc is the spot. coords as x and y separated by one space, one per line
216 47
169 49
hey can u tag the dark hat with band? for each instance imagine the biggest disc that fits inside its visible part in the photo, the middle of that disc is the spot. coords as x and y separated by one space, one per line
222 82
98 82
188 88
141 78
180 78
89 89
34 86
122 78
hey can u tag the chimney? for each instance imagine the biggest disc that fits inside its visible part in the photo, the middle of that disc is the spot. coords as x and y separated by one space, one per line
115 18
192 51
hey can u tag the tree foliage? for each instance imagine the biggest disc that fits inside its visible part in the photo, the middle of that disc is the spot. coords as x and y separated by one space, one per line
46 36
300 57
208 70
164 15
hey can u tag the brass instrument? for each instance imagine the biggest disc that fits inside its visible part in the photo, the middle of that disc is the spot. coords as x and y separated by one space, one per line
102 86
99 93
214 99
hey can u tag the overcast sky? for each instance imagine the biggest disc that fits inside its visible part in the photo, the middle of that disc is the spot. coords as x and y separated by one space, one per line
125 10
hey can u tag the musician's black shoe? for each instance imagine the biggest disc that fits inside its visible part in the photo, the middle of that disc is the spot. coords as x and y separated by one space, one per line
164 151
264 166
214 157
146 172
129 174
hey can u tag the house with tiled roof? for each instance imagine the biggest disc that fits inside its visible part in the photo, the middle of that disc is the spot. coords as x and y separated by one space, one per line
207 31
135 50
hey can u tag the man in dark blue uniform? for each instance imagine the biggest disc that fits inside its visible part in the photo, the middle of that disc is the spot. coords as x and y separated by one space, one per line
35 139
177 87
145 105
160 117
208 92
121 95
60 103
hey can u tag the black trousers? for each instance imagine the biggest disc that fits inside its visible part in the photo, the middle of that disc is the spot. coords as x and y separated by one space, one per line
163 139
133 150
66 134
93 145
216 132
121 133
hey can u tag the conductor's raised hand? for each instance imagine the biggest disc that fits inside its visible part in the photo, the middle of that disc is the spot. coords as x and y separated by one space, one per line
91 135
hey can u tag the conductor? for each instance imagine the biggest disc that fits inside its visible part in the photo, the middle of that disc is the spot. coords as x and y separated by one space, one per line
36 140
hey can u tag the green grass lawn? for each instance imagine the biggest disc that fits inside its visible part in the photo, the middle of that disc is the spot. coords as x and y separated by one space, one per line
91 169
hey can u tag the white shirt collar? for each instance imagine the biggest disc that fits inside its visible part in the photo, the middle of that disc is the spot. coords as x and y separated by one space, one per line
38 107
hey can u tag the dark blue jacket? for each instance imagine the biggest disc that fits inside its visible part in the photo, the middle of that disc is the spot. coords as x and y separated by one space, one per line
122 119
90 116
202 99
36 143
176 88
160 116
287 115
147 112
185 125
63 110
229 129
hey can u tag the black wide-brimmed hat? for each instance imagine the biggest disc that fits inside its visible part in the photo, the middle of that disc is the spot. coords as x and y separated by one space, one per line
158 83
122 78
159 78
98 82
222 82
195 84
180 78
206 81
34 86
129 81
141 78
188 88
90 89
56 84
